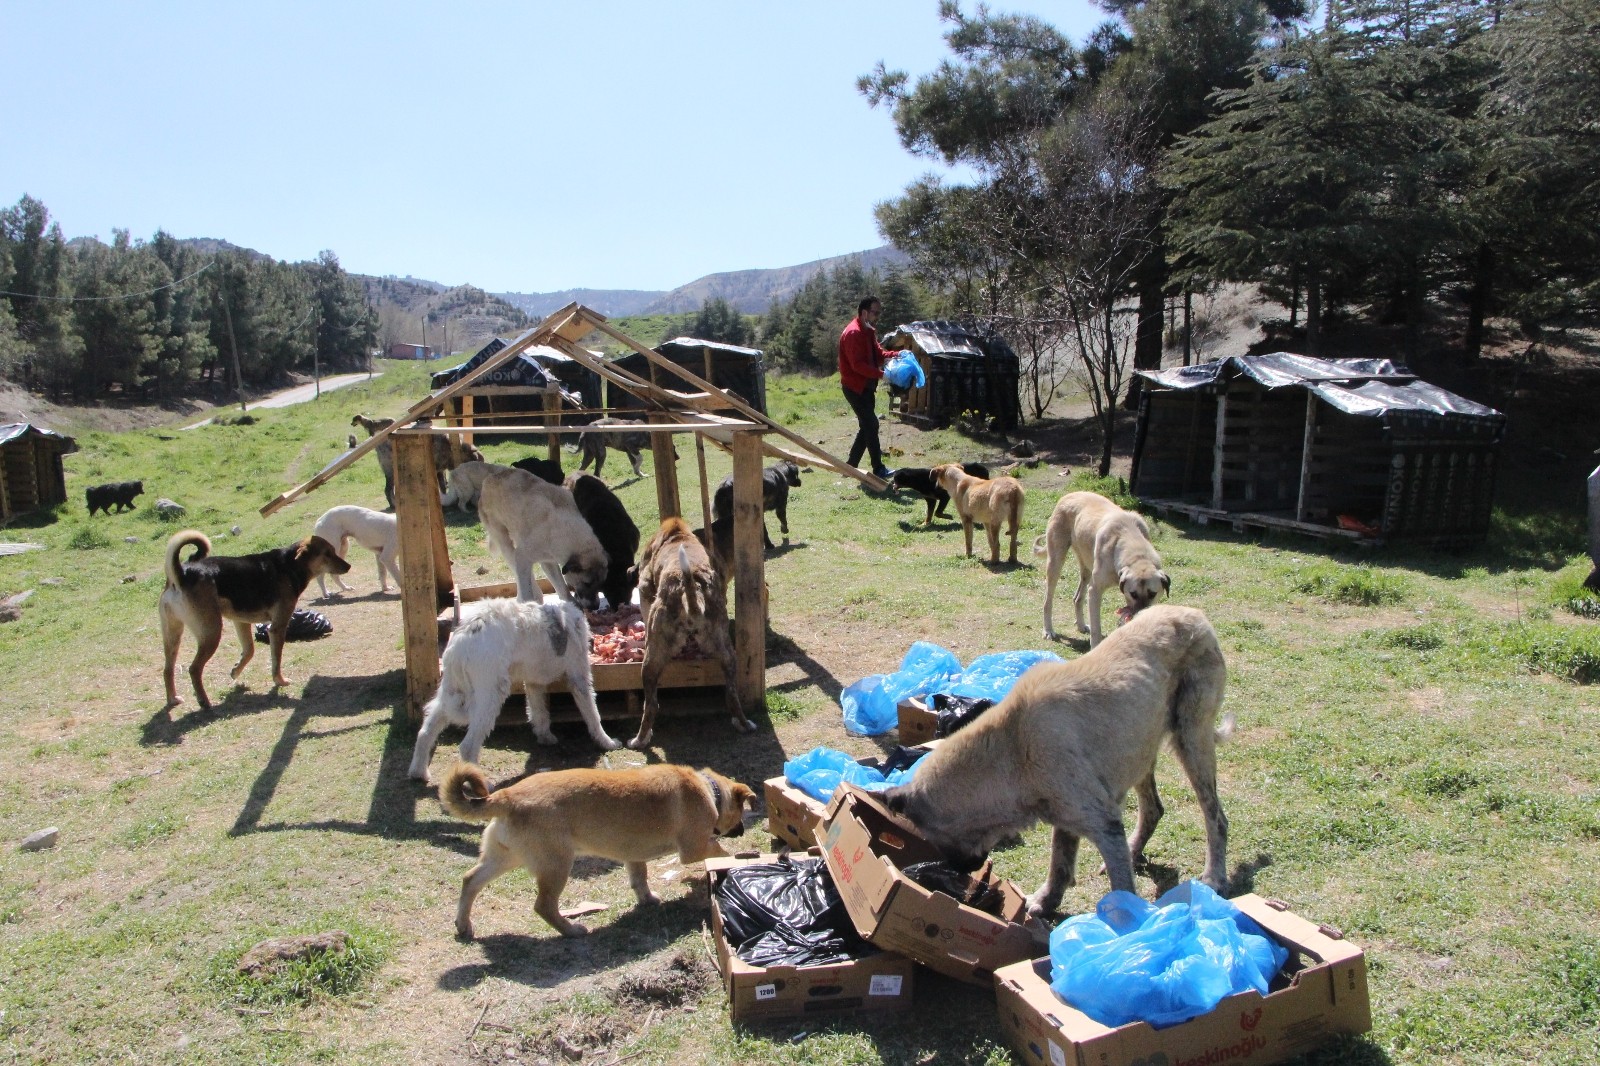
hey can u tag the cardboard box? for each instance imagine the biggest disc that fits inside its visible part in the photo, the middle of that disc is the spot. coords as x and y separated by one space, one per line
866 847
1327 996
793 816
881 982
918 724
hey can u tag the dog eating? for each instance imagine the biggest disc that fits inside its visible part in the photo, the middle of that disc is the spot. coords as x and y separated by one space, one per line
629 816
920 480
373 530
527 520
776 480
509 644
206 589
1069 741
1113 550
118 494
682 596
615 531
995 503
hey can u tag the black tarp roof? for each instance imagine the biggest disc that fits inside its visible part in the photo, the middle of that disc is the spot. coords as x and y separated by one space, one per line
957 340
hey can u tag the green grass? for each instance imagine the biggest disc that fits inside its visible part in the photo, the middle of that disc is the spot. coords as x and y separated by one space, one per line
1416 762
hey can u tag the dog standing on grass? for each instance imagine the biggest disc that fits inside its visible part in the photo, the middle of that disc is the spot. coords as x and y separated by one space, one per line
509 644
263 587
920 480
776 480
1113 549
1069 741
373 530
994 502
630 816
682 595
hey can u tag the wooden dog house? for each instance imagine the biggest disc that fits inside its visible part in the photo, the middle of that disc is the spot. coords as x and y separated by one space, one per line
429 585
33 477
1355 448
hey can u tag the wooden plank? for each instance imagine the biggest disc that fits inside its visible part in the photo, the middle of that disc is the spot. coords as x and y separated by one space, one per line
705 487
415 488
666 468
1216 450
749 618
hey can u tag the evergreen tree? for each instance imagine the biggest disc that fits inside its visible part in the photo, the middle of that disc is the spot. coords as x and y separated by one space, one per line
41 309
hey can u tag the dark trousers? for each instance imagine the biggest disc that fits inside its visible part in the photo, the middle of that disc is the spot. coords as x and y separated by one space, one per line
867 419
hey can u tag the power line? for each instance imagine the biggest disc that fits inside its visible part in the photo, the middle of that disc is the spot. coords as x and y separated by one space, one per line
120 296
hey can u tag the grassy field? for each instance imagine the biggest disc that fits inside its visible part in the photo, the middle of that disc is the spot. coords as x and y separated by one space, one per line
1417 762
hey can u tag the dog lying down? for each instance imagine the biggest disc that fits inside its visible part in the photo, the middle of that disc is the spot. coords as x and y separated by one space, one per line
505 644
1067 744
629 816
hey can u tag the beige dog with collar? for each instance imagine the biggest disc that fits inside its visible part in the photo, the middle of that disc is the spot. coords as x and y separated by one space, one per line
630 816
1113 549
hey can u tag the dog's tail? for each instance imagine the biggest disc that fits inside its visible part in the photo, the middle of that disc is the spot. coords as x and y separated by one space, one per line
1038 544
689 584
466 793
177 543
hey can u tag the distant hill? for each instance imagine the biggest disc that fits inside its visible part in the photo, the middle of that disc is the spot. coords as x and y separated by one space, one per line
750 291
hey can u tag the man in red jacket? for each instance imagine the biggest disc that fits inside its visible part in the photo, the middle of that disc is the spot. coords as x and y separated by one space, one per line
861 361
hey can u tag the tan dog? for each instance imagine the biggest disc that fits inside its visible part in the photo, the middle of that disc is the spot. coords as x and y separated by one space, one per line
630 816
527 520
992 502
466 482
263 587
1113 548
1067 744
682 595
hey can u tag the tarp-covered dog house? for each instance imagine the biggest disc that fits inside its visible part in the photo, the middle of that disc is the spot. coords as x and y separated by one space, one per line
967 369
1360 448
33 477
538 368
727 366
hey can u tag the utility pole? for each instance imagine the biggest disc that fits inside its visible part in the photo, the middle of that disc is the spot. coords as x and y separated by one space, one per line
233 342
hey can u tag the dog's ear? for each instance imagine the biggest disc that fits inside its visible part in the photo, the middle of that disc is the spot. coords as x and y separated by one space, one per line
1166 582
301 549
1122 580
745 798
894 799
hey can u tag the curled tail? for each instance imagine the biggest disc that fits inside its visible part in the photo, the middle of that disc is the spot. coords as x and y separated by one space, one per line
177 543
466 793
1039 544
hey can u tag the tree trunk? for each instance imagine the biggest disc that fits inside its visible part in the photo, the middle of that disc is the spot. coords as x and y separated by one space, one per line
1152 285
1478 302
1314 315
1108 416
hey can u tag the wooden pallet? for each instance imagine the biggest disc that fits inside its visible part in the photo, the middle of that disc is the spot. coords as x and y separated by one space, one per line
1244 521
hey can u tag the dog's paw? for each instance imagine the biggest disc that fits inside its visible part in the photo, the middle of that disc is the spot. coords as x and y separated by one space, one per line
573 929
640 742
607 743
546 738
464 931
744 725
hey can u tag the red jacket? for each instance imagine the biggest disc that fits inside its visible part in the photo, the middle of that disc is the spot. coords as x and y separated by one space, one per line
861 358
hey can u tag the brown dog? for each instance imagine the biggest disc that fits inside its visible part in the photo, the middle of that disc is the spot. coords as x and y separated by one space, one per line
263 587
681 595
1113 548
630 816
992 502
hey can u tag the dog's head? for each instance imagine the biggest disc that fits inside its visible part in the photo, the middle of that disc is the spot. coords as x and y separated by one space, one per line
912 479
962 843
790 472
1142 583
135 488
319 556
736 799
585 574
945 475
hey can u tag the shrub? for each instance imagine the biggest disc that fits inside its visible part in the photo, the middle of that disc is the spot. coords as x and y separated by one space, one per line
88 538
1360 586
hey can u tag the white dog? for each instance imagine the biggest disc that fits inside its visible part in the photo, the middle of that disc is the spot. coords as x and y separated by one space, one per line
466 482
371 529
527 520
1113 548
1070 740
509 643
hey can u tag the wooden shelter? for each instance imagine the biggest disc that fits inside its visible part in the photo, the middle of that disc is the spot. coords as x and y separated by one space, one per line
1354 448
429 585
966 369
33 477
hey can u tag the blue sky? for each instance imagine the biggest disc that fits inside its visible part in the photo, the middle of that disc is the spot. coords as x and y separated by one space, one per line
517 146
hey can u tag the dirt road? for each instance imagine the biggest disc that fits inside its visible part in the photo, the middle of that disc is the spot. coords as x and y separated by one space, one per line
300 393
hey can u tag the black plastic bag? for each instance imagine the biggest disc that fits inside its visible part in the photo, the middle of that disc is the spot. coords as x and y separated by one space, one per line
956 712
901 758
303 625
984 895
787 912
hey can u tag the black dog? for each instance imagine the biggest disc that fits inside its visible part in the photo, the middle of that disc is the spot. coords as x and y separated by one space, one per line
121 493
919 479
775 482
613 529
548 469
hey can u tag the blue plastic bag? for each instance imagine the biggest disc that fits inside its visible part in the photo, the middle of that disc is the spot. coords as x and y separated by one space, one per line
1161 963
869 704
818 772
904 372
991 676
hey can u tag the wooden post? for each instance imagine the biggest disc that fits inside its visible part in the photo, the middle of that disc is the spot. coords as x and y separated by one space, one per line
705 488
666 475
1217 449
1306 450
465 405
749 613
421 529
552 416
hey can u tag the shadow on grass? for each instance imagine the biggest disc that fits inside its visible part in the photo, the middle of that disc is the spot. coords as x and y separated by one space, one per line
164 729
783 650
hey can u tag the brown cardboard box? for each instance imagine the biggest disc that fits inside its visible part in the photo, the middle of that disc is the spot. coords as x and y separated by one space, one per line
1327 996
918 724
866 847
881 982
793 816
